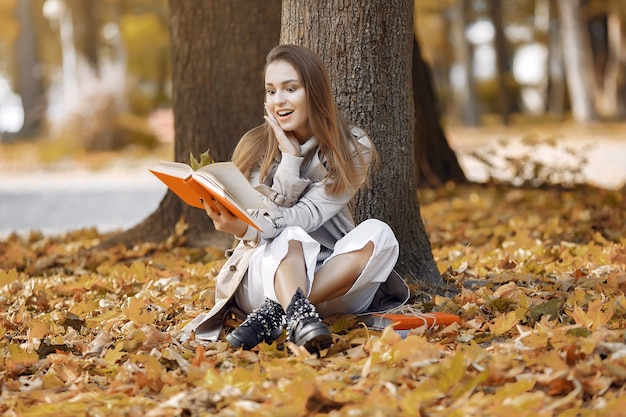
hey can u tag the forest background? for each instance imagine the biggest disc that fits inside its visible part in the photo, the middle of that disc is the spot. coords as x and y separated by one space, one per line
86 85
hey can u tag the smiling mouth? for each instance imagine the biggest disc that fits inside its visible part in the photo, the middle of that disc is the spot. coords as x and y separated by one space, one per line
284 113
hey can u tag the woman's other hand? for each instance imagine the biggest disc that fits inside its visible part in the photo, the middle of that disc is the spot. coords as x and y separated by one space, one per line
223 220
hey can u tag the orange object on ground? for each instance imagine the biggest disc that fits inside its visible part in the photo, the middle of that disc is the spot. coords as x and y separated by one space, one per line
409 321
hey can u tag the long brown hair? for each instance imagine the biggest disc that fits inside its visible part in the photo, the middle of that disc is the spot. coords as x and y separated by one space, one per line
332 131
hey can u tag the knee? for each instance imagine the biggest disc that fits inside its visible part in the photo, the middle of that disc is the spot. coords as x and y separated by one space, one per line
380 229
374 224
368 249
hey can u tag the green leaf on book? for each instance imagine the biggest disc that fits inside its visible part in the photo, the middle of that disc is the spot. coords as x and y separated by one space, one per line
205 159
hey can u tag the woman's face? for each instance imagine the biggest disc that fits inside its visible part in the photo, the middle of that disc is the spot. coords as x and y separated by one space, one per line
285 99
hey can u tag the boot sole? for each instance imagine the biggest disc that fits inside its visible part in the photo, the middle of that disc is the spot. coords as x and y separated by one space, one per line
237 342
316 339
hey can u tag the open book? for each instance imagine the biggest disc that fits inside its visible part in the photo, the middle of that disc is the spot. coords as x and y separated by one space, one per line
221 181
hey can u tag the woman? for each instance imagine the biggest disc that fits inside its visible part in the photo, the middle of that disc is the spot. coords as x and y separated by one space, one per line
310 259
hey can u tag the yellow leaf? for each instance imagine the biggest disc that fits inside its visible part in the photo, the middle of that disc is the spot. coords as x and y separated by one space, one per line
19 355
594 318
51 380
151 364
516 388
138 312
536 340
416 399
84 308
523 302
503 323
38 329
113 355
7 277
451 372
213 380
580 317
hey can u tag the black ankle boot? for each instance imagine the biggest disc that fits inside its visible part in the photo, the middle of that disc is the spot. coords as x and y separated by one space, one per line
304 326
263 324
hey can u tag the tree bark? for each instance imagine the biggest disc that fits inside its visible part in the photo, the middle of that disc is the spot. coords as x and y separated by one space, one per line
435 163
218 55
367 47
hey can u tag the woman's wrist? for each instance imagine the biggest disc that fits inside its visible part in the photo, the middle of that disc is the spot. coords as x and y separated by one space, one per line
291 163
251 235
241 233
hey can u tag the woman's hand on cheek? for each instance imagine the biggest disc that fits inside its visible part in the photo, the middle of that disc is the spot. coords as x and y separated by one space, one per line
223 220
287 142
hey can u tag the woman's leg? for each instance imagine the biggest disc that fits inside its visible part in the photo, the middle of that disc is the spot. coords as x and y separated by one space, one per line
291 274
282 272
337 276
361 261
304 326
332 280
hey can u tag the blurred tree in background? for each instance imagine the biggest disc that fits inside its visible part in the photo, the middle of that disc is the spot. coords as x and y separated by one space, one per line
102 68
63 61
482 50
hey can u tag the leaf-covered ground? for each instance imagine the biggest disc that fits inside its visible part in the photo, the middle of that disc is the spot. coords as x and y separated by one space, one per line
540 277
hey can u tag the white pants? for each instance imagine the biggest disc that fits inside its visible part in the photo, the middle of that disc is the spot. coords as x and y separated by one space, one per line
259 282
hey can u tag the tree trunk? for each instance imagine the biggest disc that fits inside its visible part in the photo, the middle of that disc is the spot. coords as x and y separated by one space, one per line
616 73
578 61
218 55
556 86
461 80
611 69
30 85
435 163
367 47
502 61
87 30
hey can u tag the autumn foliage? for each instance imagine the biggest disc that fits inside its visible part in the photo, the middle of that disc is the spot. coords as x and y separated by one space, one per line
537 276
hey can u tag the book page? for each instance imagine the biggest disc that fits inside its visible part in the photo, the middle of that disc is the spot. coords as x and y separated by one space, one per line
204 182
233 183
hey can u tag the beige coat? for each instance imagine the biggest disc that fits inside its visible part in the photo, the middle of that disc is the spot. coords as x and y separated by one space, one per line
295 196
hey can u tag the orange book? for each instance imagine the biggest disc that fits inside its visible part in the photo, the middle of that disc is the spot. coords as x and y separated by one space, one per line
409 321
221 181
